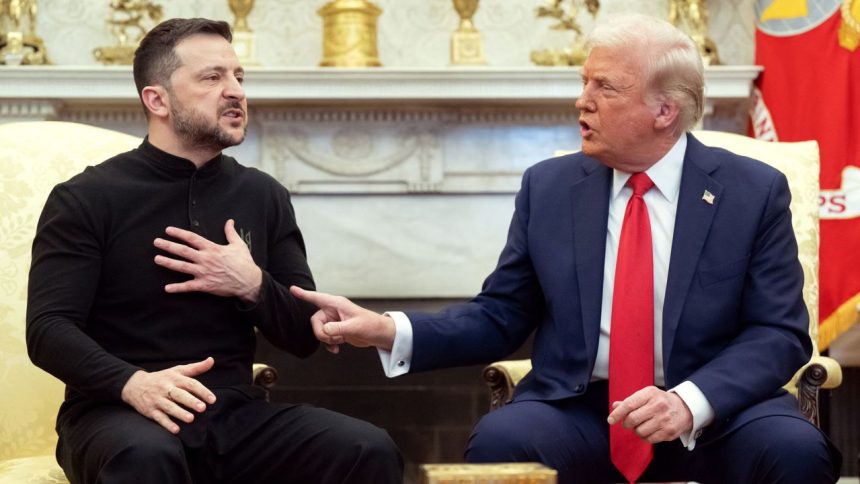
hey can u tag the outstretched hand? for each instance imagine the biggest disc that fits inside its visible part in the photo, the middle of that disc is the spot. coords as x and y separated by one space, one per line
160 395
339 321
222 270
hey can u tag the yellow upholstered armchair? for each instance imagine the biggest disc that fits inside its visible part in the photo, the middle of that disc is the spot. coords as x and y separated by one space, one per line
34 157
800 163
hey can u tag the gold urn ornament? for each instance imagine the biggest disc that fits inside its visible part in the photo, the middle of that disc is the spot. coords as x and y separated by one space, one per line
466 45
349 33
241 9
244 39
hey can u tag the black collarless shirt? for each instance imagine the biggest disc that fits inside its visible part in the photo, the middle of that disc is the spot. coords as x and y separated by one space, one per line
97 310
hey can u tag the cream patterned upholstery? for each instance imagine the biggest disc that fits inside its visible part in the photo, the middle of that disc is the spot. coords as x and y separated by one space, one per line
800 163
34 157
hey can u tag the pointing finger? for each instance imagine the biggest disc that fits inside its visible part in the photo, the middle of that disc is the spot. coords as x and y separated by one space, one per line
319 299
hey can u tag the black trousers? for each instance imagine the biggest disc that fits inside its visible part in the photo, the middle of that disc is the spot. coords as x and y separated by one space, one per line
572 436
239 439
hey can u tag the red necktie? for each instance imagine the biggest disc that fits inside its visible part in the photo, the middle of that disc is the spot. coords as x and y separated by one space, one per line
631 340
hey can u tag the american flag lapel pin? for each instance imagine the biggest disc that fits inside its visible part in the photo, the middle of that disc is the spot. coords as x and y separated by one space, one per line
708 197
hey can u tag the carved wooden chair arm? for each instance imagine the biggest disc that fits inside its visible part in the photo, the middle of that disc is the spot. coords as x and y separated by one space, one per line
820 372
501 377
265 376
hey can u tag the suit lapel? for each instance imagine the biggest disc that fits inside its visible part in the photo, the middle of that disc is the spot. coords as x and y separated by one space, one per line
590 207
692 223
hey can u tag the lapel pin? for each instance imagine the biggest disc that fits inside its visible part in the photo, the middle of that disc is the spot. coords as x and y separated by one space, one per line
708 197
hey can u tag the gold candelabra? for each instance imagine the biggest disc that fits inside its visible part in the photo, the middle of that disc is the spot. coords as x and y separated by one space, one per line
126 17
691 16
349 33
19 43
466 45
565 16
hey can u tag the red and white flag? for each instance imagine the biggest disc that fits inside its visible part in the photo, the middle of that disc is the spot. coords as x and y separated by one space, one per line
810 90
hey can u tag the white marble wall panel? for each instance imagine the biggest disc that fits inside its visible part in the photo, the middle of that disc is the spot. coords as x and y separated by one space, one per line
403 246
411 32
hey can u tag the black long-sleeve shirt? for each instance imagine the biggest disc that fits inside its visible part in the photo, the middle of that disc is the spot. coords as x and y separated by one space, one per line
97 310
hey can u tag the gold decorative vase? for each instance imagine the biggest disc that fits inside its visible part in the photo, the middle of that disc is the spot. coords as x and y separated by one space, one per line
244 40
466 45
349 33
241 9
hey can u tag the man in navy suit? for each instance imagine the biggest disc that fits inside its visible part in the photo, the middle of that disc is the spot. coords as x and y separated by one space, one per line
729 322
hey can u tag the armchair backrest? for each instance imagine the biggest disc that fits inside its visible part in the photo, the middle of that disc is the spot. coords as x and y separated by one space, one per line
800 163
34 157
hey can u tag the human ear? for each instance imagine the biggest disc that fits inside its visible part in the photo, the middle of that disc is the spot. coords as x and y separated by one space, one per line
156 101
667 114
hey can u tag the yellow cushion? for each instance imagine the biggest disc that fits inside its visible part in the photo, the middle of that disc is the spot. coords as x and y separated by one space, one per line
32 470
800 164
34 157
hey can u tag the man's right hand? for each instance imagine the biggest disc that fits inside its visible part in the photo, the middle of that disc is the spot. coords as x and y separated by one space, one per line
160 395
339 321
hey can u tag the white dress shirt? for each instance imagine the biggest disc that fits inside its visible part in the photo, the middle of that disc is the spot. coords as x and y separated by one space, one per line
662 203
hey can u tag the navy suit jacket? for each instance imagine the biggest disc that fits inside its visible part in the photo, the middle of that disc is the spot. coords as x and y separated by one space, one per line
734 320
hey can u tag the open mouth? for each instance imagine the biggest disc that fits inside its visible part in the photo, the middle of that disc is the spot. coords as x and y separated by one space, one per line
233 113
584 128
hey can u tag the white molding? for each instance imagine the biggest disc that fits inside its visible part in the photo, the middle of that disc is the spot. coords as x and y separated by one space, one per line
28 109
113 84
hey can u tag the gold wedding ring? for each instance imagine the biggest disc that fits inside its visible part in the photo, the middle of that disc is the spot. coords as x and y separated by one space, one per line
168 392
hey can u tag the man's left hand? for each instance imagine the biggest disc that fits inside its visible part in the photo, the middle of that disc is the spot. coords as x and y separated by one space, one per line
222 270
655 415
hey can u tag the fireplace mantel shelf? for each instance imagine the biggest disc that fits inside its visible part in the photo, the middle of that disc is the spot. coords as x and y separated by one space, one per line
113 85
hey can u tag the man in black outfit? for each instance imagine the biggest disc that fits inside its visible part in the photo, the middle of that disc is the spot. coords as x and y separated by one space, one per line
157 366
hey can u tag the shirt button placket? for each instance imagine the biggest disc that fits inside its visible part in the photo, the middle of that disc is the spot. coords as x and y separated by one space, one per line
192 204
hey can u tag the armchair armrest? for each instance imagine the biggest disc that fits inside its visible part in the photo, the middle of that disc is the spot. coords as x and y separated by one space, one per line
264 376
820 372
501 377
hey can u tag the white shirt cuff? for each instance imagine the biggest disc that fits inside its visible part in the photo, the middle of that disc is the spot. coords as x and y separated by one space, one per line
397 361
703 413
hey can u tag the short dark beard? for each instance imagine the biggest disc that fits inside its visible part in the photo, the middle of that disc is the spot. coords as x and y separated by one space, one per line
196 132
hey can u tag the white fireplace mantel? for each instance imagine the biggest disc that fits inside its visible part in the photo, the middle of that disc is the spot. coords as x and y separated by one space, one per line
114 84
402 179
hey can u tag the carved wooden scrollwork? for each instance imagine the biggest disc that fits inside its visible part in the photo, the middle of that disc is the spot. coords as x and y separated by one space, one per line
500 387
807 390
265 376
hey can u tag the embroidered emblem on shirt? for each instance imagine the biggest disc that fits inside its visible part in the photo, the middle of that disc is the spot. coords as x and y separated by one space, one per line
246 237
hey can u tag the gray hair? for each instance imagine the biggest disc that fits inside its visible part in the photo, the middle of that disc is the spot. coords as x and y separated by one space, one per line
673 65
